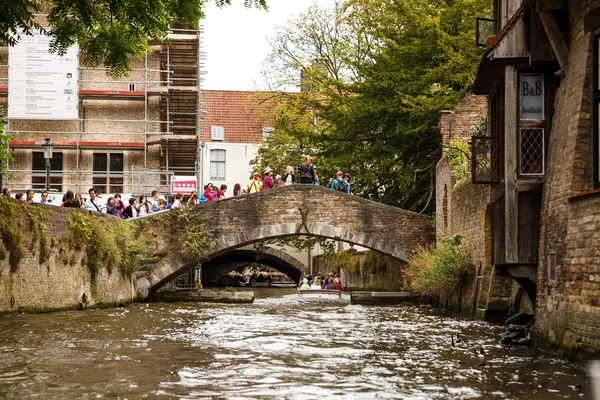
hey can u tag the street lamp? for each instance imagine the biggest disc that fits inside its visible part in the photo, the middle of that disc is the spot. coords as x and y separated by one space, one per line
48 148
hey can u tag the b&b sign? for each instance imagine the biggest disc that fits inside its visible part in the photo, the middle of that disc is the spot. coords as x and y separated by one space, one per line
531 90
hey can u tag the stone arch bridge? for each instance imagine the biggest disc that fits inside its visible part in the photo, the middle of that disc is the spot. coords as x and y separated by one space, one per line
286 211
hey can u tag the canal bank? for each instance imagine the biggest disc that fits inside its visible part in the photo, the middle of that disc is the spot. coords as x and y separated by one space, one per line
277 347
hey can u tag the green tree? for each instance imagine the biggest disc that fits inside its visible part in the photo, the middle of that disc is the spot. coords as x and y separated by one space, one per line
5 138
399 64
108 32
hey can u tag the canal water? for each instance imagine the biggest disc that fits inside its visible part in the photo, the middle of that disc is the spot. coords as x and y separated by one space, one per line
278 347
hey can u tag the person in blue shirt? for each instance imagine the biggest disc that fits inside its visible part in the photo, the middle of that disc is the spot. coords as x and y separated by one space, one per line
339 184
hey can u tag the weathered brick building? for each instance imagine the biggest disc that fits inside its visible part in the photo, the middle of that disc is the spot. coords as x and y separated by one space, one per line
535 172
134 133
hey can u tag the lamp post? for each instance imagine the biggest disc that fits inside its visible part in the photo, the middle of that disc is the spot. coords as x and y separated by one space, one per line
48 148
200 187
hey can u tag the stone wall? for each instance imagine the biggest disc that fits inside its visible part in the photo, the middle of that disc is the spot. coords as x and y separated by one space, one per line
285 211
59 278
568 313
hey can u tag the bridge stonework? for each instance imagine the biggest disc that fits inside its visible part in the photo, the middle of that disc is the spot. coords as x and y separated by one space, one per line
286 211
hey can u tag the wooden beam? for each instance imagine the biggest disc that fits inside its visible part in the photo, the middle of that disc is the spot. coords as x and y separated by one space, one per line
511 206
561 51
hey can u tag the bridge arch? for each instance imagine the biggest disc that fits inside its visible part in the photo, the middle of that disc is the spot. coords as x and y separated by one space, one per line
288 211
274 258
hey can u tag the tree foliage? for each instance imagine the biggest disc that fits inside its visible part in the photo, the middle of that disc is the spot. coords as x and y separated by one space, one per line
5 139
108 32
376 74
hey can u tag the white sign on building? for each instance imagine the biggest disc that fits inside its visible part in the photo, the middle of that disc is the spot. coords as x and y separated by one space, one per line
532 96
41 85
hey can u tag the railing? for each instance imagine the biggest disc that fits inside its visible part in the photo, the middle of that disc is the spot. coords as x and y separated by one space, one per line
485 28
485 159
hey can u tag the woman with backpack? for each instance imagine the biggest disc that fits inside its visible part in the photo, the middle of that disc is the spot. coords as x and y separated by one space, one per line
339 184
307 172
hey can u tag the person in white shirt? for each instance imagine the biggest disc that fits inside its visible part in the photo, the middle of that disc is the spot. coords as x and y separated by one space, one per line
94 203
153 201
288 177
178 199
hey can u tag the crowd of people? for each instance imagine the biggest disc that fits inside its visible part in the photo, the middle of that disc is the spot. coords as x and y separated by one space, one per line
143 205
320 282
308 176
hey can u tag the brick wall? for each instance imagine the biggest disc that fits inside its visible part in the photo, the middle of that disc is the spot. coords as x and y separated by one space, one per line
56 284
463 209
567 312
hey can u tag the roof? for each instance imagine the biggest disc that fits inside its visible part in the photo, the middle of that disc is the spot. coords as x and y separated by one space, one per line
506 47
506 29
240 113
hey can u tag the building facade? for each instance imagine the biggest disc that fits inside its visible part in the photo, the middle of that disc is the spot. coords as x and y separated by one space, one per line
133 134
535 168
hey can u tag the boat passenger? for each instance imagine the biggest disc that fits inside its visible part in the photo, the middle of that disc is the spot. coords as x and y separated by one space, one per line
316 284
338 285
330 284
304 284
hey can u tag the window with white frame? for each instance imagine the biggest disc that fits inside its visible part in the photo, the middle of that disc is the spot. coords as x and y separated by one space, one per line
217 133
596 106
217 165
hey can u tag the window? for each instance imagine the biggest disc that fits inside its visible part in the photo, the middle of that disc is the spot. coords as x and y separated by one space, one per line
596 106
108 172
38 168
531 125
217 133
217 165
486 151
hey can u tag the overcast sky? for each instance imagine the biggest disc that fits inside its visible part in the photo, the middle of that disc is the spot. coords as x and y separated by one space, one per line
235 41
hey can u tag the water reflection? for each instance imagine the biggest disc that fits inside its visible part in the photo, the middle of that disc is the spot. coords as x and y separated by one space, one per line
278 347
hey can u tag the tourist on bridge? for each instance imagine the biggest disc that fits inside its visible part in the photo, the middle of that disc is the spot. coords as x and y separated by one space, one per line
29 198
255 185
110 206
223 190
237 189
193 199
348 180
268 183
45 198
80 200
143 208
6 192
307 172
130 211
70 201
316 176
288 177
119 206
340 184
160 204
153 200
94 203
178 201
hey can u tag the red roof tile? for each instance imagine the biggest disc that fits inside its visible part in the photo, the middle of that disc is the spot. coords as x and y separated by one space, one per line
238 112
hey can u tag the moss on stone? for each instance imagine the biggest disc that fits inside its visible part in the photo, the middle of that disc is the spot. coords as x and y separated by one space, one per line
11 231
107 242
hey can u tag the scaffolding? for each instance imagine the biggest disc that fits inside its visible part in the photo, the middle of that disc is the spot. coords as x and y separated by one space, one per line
155 111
